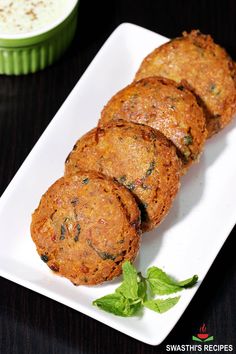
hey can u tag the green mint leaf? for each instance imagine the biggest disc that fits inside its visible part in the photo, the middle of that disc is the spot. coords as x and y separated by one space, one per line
118 305
160 305
114 303
162 284
188 283
129 287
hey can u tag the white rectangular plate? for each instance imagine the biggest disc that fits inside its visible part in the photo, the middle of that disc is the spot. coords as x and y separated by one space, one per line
187 241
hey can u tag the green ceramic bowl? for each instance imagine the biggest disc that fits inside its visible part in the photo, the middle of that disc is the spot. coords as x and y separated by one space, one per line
28 53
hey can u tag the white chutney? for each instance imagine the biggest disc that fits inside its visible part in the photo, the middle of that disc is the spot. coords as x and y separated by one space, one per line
25 16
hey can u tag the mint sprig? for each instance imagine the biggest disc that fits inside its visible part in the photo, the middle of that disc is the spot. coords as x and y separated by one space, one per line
136 292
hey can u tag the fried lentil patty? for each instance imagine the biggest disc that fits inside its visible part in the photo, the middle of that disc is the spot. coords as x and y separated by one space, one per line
85 227
164 105
138 157
206 67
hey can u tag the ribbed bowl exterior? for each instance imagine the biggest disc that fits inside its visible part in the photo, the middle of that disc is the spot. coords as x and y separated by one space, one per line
19 57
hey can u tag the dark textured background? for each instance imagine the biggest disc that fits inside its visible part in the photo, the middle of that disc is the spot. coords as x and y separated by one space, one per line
31 323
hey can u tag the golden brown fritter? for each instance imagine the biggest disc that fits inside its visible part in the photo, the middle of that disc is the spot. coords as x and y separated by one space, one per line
206 67
164 105
85 227
137 156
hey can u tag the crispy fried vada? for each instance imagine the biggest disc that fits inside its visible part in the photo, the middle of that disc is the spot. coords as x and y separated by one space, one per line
207 68
166 106
138 157
85 227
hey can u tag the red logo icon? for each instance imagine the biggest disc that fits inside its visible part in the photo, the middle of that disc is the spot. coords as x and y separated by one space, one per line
203 336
